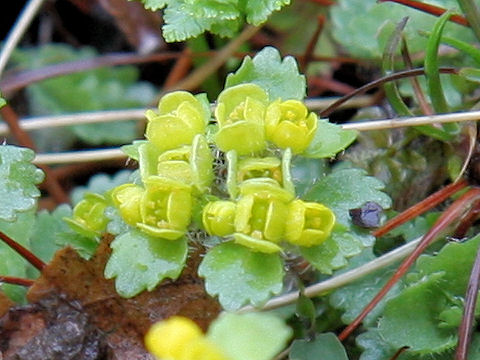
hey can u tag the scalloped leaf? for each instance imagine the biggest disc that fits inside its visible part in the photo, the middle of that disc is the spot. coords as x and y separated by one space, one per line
324 346
18 180
257 11
240 276
347 189
185 19
346 25
280 78
254 336
410 319
341 191
153 260
416 317
329 139
343 243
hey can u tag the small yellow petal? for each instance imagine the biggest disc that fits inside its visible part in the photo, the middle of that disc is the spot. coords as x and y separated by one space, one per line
167 339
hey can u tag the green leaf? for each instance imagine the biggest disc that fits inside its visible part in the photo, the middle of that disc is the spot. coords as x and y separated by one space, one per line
252 336
186 19
340 191
431 65
375 347
347 189
281 79
419 316
257 11
410 319
344 242
353 298
359 34
153 260
45 237
85 246
2 102
18 177
329 139
324 346
240 276
305 173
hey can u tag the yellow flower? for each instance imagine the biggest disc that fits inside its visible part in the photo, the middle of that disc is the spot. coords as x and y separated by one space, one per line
258 168
240 115
260 217
127 198
308 223
179 338
181 116
166 208
289 125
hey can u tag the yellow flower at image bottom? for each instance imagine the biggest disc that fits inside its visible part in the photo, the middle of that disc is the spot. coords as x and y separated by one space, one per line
179 338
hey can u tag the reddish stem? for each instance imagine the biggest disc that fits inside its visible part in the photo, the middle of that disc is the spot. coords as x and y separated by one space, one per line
430 9
16 281
180 69
399 352
468 319
451 214
25 253
418 209
378 82
307 56
417 89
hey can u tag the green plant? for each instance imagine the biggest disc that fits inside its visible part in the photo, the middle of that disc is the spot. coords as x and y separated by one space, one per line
252 197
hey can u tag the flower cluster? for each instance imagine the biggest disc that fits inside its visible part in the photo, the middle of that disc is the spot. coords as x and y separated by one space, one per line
259 211
262 211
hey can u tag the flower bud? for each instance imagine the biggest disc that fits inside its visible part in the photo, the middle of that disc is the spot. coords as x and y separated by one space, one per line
308 223
289 125
218 217
88 216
